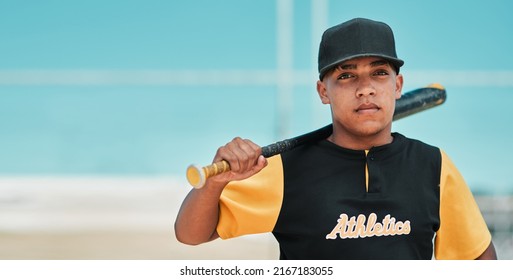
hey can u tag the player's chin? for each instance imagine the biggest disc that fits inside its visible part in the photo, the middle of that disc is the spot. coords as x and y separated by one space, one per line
374 121
371 128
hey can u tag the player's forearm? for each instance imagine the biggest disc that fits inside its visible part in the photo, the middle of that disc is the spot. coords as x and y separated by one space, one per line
197 219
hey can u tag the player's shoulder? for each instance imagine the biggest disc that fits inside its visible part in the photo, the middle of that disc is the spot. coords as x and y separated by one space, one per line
416 145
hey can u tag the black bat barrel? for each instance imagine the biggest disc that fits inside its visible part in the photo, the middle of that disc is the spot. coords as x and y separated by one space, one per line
410 103
419 100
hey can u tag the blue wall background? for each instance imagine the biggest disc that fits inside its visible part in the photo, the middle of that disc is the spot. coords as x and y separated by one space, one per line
148 87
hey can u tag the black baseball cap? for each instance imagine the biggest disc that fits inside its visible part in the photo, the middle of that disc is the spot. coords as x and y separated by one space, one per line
358 37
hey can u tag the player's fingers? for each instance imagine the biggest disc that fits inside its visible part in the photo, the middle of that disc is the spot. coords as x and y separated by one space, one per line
249 153
228 154
246 152
239 154
257 149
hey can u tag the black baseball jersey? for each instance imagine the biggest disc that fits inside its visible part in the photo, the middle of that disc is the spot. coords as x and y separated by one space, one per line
322 201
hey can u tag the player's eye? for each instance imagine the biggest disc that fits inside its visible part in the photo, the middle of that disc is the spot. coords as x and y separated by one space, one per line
345 76
381 73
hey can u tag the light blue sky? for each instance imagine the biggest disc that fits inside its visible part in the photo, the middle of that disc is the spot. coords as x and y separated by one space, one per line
87 87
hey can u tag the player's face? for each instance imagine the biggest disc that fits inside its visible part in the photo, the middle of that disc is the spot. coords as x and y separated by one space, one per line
362 94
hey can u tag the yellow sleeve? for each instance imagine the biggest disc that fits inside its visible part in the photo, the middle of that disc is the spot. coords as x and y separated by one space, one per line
463 233
252 205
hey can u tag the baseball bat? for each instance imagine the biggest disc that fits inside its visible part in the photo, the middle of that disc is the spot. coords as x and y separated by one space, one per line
410 103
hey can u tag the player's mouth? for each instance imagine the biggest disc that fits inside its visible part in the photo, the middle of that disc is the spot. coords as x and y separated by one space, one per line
367 108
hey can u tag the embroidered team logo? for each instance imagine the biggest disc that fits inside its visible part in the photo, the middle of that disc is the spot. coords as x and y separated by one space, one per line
362 227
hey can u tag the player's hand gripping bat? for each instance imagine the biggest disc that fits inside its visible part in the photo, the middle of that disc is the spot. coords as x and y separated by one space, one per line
410 103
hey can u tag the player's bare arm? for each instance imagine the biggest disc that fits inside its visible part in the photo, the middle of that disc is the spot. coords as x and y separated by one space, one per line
489 253
197 219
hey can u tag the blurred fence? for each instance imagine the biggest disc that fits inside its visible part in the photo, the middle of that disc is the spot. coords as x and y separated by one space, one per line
498 213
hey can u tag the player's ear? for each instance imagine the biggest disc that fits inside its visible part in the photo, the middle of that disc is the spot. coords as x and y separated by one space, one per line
321 90
399 81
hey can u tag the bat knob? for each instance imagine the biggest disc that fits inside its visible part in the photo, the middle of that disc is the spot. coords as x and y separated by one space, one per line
436 85
196 176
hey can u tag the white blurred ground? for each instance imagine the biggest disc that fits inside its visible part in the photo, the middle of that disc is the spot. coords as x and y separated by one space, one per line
132 218
105 218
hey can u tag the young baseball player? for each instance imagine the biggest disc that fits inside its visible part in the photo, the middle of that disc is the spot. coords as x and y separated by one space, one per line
362 193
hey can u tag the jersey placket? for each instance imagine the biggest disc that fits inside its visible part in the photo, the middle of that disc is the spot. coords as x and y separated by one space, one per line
372 184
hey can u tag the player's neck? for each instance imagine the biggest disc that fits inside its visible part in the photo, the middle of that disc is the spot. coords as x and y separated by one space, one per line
360 142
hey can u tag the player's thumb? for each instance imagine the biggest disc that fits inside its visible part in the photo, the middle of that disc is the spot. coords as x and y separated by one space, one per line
261 163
